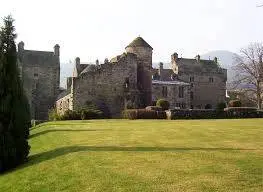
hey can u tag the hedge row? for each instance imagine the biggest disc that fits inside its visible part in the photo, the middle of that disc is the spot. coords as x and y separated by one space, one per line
83 114
194 114
243 112
143 114
228 113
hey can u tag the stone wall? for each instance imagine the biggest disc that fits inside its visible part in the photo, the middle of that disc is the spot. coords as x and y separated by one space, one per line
207 80
172 96
144 75
40 73
65 103
112 85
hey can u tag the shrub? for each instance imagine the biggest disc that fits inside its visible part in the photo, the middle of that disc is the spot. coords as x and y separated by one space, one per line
53 115
208 106
241 112
91 114
100 106
143 114
71 115
234 103
164 104
221 106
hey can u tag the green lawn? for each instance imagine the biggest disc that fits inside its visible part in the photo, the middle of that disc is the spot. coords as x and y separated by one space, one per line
160 155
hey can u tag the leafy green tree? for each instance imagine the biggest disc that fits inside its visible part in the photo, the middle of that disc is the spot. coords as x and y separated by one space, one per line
14 108
164 104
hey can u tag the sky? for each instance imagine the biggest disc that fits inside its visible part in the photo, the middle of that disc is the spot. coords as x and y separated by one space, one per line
99 29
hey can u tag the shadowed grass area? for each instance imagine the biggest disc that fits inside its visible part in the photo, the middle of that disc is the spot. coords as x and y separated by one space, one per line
122 155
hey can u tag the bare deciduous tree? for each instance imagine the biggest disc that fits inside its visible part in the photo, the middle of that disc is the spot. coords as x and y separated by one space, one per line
249 68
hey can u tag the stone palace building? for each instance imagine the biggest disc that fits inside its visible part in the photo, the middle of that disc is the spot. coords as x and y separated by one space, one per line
126 81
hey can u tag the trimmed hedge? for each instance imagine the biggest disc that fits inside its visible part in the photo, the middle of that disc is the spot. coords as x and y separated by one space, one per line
83 114
243 112
143 114
228 113
154 108
91 114
193 114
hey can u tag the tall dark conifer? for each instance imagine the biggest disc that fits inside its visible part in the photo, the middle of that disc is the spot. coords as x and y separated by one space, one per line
14 109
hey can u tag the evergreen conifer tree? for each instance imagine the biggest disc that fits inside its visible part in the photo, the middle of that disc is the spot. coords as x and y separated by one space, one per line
14 108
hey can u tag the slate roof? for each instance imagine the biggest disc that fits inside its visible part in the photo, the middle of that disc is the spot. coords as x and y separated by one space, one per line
209 63
63 94
139 42
80 68
88 69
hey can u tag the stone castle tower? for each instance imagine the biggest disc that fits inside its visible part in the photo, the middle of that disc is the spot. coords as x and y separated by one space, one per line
40 74
122 82
144 52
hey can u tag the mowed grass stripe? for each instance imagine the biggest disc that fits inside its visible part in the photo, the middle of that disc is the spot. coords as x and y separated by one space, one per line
143 155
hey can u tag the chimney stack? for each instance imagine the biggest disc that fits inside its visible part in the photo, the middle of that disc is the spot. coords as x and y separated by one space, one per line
20 46
77 61
56 50
215 60
197 58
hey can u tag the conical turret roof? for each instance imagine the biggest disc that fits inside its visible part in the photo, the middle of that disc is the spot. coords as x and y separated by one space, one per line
139 42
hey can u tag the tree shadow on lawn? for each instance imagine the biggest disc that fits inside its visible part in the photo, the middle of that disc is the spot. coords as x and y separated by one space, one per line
59 123
64 130
41 157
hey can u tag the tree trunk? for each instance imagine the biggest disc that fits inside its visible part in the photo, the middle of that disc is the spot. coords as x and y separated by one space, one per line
259 99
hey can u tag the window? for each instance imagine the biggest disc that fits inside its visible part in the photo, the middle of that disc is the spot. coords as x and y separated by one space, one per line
181 92
211 79
164 91
192 79
35 75
127 83
192 95
180 105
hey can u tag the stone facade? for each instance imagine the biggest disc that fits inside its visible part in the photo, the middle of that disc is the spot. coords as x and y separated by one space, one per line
40 74
176 92
129 81
207 79
126 81
123 82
